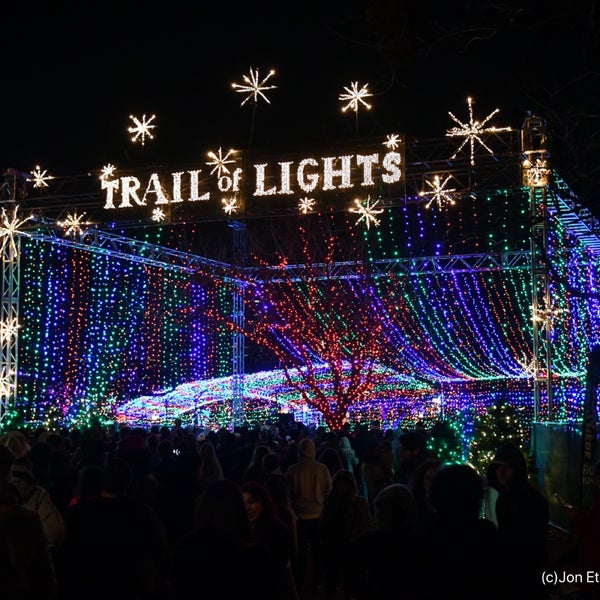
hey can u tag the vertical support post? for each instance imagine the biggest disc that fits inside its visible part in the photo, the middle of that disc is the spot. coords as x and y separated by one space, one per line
9 321
536 176
239 318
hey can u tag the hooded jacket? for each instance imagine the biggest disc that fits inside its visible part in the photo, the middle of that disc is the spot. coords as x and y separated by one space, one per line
348 454
309 481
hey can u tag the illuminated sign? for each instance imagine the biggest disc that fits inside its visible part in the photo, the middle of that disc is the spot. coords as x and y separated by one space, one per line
231 185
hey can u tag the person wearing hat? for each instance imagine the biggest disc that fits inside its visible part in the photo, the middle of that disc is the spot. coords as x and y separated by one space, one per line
523 517
33 495
29 572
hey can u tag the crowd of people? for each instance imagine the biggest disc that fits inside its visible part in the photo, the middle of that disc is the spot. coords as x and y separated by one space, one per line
280 511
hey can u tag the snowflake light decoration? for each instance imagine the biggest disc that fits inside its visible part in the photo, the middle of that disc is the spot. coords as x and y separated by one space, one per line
142 128
6 387
40 177
10 229
537 172
438 193
528 366
306 205
107 172
545 317
392 141
230 205
472 131
73 223
220 162
355 97
8 329
254 87
158 215
367 211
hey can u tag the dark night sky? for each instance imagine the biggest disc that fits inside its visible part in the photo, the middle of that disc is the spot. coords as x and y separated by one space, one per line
74 72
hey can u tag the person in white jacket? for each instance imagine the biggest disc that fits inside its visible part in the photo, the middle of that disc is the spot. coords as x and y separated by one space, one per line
32 494
310 483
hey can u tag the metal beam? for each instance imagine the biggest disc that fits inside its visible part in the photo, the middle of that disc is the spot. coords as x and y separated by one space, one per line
118 246
499 261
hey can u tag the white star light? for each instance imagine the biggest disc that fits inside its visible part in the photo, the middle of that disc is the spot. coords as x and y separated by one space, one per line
528 367
6 386
545 317
220 162
367 212
73 223
306 205
254 87
438 193
392 141
10 229
142 128
229 205
107 172
158 215
40 177
472 131
8 329
355 97
537 173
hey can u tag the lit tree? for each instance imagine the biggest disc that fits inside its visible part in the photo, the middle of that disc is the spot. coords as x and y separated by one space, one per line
318 324
501 423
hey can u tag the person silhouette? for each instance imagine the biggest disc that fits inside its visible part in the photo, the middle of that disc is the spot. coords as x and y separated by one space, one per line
523 517
26 565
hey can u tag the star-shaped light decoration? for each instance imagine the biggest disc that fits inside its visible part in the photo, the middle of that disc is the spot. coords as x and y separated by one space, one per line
528 366
107 172
10 229
355 97
254 87
306 205
392 141
40 177
220 162
367 211
230 205
438 193
537 172
158 215
73 223
8 329
141 129
6 386
546 316
472 131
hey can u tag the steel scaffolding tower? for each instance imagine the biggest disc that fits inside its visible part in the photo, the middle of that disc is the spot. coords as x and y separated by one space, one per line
239 319
536 176
9 321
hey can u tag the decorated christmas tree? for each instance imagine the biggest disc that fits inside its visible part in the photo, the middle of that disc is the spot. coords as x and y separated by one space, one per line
501 423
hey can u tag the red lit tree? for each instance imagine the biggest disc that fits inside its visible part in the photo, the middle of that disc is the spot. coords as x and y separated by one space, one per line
316 316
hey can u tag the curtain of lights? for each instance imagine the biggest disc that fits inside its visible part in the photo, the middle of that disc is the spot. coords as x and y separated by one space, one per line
98 331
